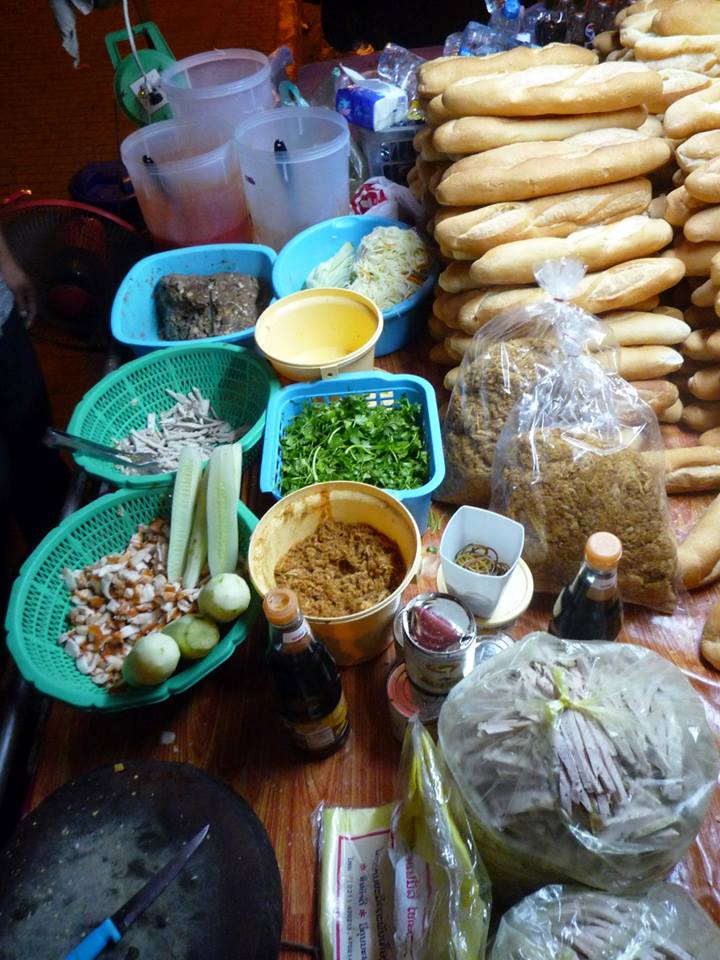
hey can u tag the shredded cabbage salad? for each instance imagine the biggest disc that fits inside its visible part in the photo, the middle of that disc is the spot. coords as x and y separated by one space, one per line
389 265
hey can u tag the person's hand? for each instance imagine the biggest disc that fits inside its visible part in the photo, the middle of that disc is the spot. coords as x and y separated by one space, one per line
22 289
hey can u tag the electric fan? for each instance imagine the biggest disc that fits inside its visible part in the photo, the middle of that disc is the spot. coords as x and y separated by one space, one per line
76 256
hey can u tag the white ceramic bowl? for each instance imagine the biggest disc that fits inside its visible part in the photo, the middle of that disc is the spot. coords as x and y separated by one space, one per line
467 525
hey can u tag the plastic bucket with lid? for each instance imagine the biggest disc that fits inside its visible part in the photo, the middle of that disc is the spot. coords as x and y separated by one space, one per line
294 162
317 334
187 181
223 84
357 636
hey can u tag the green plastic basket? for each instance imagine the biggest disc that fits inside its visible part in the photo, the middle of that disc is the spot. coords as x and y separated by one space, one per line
237 381
40 601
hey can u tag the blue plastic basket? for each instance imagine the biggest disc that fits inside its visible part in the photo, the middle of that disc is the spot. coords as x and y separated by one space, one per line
133 318
305 251
378 389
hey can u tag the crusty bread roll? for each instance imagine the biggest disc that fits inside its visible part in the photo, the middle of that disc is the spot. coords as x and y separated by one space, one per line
474 134
474 231
703 226
697 257
705 384
526 170
693 114
660 395
628 283
435 112
446 306
456 277
697 318
700 550
424 145
646 305
554 89
703 63
652 127
437 329
597 247
634 27
680 207
715 271
634 329
673 414
652 47
678 177
703 344
641 6
704 182
648 362
702 415
710 639
704 295
688 17
676 84
658 207
710 438
451 378
487 303
606 42
439 353
435 76
698 149
692 469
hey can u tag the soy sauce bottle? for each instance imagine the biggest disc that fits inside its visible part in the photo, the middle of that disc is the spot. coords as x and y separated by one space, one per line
307 682
590 608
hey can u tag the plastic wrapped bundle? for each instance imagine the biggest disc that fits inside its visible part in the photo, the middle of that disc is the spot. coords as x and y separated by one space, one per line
579 762
570 923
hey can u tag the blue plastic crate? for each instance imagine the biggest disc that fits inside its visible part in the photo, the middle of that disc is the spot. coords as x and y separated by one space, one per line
133 318
378 388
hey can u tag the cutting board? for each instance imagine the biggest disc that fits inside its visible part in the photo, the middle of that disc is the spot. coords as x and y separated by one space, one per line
94 842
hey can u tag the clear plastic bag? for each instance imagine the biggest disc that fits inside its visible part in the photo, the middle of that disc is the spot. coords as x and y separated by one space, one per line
570 923
508 356
581 452
586 762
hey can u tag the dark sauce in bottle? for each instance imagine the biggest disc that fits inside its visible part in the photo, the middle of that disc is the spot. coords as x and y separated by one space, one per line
590 608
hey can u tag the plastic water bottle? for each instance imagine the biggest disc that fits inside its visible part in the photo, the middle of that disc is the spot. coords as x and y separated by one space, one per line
476 40
453 42
506 23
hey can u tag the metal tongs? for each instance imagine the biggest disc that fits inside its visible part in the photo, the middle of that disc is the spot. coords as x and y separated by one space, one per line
139 462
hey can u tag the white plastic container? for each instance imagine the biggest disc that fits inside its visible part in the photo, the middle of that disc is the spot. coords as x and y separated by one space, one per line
468 525
224 84
302 185
187 180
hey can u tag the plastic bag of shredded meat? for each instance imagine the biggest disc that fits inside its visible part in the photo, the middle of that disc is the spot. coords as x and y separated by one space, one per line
579 762
571 923
509 354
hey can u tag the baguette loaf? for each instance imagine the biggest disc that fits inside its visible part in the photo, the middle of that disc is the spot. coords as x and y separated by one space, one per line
680 207
673 414
704 182
473 231
648 362
627 284
598 247
700 550
542 90
715 271
435 112
688 17
446 307
696 151
692 469
486 304
606 42
704 295
659 395
525 170
475 134
705 384
439 353
702 415
693 114
652 127
652 47
456 277
436 75
437 329
697 257
451 378
703 226
640 6
658 207
634 27
703 344
635 329
710 438
710 639
646 305
676 84
424 145
669 312
702 63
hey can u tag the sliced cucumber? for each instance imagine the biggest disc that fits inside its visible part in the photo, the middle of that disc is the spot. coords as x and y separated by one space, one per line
221 508
187 479
197 545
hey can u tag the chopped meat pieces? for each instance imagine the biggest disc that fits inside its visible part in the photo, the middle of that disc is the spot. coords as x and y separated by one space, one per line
190 307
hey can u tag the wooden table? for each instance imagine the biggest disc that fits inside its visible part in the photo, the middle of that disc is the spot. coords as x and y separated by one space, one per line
227 725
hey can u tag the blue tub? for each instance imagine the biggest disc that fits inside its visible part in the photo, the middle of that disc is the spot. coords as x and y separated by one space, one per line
133 319
378 388
309 248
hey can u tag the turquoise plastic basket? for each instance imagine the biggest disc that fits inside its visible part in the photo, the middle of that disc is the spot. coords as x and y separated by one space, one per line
40 601
237 381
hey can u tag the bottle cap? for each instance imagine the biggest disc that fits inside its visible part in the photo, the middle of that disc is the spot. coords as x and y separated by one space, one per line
281 606
603 551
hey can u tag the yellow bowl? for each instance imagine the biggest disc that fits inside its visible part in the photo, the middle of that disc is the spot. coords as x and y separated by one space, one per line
318 333
358 636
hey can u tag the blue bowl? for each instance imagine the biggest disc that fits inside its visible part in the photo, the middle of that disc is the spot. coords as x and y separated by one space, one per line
305 251
133 319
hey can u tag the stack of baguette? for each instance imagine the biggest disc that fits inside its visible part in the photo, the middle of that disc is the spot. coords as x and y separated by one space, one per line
533 155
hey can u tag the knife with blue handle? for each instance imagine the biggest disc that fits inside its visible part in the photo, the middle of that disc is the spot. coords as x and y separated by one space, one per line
114 928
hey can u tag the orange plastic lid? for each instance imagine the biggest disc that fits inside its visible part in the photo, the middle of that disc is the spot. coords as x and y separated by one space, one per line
281 606
603 551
